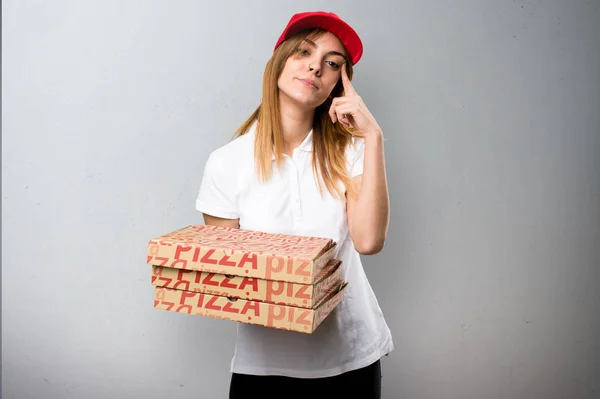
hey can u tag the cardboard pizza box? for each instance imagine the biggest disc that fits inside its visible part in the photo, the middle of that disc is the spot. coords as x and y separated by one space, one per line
278 292
251 312
229 251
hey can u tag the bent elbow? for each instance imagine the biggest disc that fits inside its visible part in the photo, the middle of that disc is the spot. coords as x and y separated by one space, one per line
370 247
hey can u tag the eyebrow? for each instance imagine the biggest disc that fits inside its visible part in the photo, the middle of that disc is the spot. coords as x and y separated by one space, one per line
313 44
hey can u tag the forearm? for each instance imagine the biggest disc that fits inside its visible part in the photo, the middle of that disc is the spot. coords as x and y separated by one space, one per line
372 208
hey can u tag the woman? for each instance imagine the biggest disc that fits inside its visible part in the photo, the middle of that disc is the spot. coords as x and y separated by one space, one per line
309 161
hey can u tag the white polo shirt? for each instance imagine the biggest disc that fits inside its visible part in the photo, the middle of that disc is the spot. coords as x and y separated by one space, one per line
355 334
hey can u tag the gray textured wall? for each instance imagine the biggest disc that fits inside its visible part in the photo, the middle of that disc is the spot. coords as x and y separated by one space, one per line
490 276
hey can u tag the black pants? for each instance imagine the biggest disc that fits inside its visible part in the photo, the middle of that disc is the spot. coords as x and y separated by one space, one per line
363 383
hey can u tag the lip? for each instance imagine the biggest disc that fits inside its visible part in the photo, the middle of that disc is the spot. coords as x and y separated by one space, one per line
308 82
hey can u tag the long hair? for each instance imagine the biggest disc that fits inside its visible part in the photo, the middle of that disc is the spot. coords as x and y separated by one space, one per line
329 140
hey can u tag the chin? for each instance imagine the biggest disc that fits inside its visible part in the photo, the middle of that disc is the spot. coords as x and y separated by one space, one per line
309 103
305 101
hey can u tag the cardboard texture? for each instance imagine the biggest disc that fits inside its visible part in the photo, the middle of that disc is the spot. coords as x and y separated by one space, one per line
277 292
228 251
251 312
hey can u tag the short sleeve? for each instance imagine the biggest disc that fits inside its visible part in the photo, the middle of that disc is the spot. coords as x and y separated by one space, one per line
357 158
218 191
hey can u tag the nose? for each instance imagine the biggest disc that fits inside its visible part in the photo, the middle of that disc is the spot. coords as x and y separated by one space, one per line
314 67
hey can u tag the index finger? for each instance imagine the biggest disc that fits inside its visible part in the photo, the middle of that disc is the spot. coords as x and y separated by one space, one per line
348 88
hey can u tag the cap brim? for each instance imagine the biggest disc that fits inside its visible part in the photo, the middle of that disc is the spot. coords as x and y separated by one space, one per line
344 32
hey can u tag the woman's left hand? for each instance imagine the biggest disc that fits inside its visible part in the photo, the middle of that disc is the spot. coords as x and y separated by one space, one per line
351 111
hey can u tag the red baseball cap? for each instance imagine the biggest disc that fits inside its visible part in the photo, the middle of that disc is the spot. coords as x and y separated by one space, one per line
330 22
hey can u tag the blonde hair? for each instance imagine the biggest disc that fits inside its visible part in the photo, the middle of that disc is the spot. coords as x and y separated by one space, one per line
329 140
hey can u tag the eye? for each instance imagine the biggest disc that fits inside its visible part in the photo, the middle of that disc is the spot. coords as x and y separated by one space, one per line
333 64
302 51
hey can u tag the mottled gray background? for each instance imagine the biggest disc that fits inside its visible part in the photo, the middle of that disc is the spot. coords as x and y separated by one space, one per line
489 279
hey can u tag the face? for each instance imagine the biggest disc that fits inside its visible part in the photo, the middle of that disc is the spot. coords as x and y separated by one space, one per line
312 72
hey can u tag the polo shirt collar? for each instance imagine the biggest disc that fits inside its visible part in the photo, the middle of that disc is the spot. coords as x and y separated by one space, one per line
306 145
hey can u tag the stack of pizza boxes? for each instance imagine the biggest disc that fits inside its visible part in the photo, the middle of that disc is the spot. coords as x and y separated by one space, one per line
274 280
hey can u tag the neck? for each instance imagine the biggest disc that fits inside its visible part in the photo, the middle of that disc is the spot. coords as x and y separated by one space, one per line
296 123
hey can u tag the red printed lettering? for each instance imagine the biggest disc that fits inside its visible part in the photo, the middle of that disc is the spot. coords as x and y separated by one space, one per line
271 291
185 309
303 269
196 254
185 283
179 264
275 313
252 259
211 303
225 261
168 304
200 300
251 305
290 265
181 272
271 260
180 249
184 295
153 250
303 318
163 261
206 258
249 281
229 308
209 281
166 281
301 294
226 283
